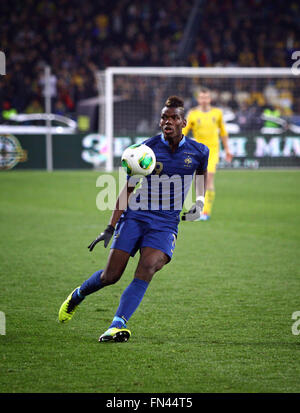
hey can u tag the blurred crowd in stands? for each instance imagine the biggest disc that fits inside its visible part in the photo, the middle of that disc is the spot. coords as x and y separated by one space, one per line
244 101
77 38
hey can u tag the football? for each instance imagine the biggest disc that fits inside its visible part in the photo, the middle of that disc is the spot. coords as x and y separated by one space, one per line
138 159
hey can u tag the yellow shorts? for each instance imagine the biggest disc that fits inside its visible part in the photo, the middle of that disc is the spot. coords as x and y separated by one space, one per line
213 160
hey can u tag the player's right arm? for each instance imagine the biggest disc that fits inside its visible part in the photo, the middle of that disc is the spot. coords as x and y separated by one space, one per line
121 205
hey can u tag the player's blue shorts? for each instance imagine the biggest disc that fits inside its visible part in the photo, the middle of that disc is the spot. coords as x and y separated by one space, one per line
131 235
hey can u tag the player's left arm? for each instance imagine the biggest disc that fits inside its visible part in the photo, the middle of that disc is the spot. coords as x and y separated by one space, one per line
224 138
200 181
200 187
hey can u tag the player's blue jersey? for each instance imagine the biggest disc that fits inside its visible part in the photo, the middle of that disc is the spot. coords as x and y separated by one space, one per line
160 197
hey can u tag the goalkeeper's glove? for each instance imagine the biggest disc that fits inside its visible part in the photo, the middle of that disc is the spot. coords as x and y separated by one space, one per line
104 236
195 212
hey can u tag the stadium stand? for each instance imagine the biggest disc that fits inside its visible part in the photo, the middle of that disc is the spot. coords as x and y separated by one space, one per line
76 39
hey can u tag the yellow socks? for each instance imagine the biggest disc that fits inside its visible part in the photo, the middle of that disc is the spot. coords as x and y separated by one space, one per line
208 201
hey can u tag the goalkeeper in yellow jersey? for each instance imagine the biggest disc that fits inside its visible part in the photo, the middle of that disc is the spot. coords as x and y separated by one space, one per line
206 123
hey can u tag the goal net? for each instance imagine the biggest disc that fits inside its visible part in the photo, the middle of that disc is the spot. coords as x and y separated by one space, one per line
261 108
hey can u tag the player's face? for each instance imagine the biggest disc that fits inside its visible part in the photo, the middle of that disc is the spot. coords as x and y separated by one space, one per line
172 122
204 99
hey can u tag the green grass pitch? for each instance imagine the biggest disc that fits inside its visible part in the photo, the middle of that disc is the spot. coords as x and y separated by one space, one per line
217 319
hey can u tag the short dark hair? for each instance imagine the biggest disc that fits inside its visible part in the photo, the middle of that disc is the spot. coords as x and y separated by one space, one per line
175 102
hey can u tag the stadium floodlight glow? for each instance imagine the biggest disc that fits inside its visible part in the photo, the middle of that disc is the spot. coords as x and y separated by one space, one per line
70 127
116 76
24 117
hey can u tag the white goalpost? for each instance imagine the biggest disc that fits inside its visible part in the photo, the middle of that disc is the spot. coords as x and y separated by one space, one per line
261 108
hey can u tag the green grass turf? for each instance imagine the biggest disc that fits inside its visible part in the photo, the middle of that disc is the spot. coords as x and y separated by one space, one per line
216 319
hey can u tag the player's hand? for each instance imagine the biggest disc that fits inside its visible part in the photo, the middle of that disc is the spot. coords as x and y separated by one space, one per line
194 212
104 236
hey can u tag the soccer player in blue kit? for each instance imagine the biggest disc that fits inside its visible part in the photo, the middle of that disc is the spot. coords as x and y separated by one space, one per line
150 225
